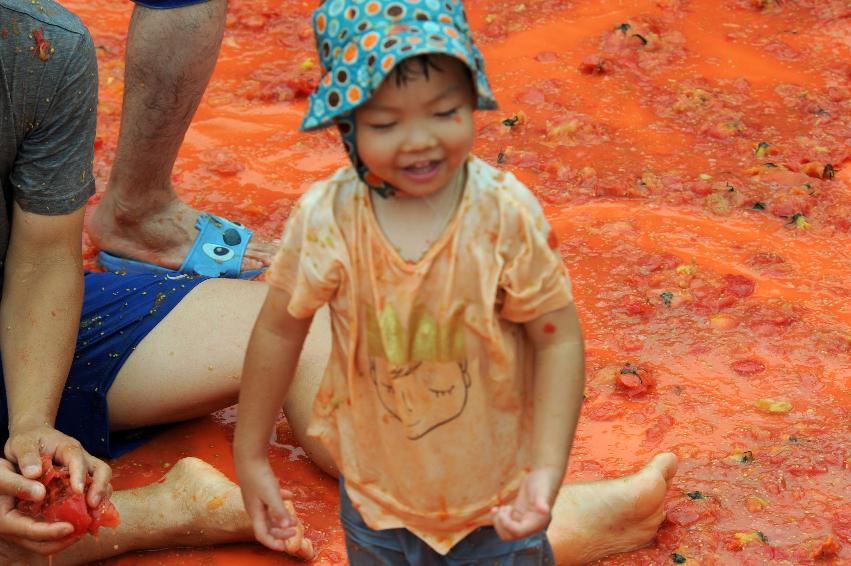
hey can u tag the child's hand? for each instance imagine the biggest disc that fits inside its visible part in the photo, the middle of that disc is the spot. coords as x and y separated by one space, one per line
531 510
271 511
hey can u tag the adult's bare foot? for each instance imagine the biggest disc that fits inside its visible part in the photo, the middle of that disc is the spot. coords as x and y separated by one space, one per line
169 60
161 234
596 519
208 506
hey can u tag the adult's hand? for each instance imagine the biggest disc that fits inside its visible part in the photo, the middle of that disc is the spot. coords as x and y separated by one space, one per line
37 536
24 448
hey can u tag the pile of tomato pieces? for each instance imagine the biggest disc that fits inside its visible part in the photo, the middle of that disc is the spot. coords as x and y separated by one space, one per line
63 504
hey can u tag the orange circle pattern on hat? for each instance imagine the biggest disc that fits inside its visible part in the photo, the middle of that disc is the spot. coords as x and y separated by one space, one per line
361 43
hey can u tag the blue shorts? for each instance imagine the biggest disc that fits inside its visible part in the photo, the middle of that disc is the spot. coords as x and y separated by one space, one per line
164 4
396 547
118 312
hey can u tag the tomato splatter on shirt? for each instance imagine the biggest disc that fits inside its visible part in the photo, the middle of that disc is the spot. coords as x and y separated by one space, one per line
552 240
43 49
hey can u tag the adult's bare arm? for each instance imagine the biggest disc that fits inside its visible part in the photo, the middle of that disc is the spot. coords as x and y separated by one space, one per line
39 318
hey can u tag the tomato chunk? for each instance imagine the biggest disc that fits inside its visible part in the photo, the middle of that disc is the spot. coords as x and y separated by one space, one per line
63 504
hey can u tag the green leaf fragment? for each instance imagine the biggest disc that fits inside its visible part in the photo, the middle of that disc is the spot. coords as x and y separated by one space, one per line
770 165
624 27
759 205
762 537
630 368
761 148
799 220
746 457
511 121
667 297
678 558
500 157
695 495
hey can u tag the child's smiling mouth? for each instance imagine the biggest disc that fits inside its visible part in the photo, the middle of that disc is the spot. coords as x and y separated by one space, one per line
422 171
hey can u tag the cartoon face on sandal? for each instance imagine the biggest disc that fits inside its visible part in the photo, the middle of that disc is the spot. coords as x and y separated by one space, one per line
422 395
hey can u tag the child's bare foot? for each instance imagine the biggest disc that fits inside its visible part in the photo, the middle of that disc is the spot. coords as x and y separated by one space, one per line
593 520
160 234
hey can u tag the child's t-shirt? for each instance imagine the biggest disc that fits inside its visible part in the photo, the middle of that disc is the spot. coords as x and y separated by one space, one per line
426 403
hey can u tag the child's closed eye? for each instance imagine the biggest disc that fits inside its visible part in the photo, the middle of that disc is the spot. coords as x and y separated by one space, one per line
447 113
382 126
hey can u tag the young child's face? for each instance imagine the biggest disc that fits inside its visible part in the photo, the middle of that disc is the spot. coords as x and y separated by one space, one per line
416 135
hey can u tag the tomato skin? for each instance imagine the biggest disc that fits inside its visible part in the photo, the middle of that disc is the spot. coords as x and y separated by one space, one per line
821 548
594 65
105 515
842 525
682 515
748 367
634 381
655 433
638 306
739 285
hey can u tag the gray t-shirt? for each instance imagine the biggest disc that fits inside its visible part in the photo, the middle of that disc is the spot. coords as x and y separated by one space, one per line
48 111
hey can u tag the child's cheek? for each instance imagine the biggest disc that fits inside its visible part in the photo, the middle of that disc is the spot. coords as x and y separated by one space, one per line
457 118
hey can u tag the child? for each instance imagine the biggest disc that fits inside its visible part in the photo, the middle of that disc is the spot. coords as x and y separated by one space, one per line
454 385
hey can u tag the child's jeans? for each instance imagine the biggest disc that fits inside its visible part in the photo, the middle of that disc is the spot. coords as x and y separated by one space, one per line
397 547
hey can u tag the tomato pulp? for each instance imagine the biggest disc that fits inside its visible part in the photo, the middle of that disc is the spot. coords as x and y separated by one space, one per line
63 504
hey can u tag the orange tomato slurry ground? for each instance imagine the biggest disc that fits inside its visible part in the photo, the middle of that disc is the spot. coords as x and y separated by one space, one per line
693 157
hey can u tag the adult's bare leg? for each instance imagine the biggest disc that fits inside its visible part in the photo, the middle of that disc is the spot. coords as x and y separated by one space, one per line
191 363
170 57
194 504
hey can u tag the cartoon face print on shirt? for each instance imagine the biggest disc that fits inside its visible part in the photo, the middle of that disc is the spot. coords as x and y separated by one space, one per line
419 370
422 395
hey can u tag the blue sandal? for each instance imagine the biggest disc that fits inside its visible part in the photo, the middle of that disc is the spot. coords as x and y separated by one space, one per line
217 252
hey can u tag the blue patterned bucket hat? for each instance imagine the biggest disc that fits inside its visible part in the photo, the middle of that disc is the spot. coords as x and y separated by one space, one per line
361 41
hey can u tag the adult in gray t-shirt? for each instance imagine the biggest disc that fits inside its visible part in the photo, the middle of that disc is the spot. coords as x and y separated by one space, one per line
48 104
48 110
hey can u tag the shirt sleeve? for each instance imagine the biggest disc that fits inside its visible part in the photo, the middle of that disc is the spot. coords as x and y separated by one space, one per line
52 174
534 280
308 265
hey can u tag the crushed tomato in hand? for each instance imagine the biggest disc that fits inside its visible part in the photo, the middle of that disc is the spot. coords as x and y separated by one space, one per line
63 504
